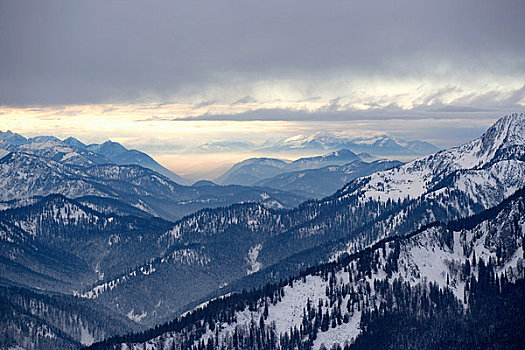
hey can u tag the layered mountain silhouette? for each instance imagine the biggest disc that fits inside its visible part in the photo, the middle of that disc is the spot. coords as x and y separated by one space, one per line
387 250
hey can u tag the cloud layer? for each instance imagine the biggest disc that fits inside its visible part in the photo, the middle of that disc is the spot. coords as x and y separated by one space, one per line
360 52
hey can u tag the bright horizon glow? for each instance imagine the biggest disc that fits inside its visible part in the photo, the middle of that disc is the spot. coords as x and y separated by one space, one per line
174 142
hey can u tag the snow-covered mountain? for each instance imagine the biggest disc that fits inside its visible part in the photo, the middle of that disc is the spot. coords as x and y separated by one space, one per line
279 243
118 154
217 251
136 186
486 170
253 170
381 145
455 274
52 148
10 139
73 152
321 182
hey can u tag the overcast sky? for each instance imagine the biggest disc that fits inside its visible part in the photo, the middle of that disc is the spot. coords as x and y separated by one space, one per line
169 72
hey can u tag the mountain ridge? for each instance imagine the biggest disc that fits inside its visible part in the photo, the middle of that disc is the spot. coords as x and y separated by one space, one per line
351 279
133 184
347 215
253 170
72 151
379 145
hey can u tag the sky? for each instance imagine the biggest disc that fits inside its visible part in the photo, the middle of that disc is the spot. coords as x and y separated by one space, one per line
167 76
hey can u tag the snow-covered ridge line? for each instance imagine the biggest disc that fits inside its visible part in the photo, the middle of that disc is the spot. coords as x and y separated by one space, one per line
73 152
416 178
96 291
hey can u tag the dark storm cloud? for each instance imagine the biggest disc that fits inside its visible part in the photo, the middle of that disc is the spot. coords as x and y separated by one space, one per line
61 52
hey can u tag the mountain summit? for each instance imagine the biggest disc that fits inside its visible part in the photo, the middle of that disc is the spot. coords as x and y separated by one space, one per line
486 169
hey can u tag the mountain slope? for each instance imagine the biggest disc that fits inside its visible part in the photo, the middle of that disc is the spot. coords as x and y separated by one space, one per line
60 244
134 185
253 170
321 182
494 159
58 151
33 319
254 238
435 273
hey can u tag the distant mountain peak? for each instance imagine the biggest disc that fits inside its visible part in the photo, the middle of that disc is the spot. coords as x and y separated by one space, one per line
108 148
341 153
43 139
377 145
12 138
74 142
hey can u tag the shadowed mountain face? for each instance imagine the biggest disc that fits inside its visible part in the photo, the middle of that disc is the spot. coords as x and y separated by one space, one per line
440 281
318 183
254 170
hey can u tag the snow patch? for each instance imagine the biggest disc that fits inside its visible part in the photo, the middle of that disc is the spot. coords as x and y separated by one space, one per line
253 254
136 317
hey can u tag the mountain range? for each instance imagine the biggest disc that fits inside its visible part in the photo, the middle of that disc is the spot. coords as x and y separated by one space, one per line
73 152
253 170
379 145
387 250
56 166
